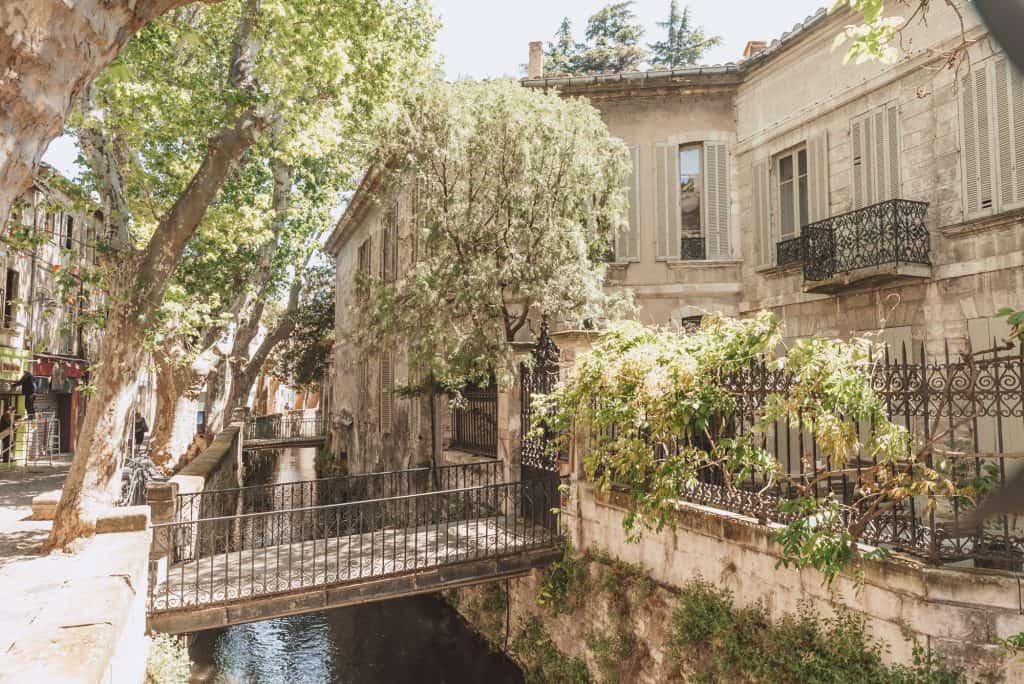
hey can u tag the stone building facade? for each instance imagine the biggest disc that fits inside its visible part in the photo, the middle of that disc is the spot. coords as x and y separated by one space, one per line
849 199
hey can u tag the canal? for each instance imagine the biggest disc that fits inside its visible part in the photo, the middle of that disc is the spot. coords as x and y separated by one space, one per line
416 639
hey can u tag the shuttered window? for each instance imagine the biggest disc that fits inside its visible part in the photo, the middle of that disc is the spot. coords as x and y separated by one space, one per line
666 200
387 382
691 193
716 195
874 138
389 245
363 264
1008 90
817 177
627 243
761 212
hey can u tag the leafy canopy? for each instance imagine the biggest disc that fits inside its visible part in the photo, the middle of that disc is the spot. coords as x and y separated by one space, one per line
684 44
517 195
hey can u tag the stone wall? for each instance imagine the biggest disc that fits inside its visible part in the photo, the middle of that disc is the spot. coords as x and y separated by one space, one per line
956 613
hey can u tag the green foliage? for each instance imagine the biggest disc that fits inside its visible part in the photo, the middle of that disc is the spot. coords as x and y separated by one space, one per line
684 44
486 610
543 661
301 360
560 55
168 661
658 407
711 640
872 40
516 194
563 587
611 651
1015 319
613 41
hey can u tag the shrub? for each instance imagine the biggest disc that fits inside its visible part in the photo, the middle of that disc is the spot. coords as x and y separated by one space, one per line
168 661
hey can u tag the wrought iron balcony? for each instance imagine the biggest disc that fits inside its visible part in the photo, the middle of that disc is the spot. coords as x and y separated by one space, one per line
692 249
789 251
884 241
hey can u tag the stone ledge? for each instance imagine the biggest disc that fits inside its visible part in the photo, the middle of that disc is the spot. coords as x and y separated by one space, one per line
45 505
123 519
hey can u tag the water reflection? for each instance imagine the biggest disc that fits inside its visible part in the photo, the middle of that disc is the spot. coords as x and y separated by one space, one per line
417 639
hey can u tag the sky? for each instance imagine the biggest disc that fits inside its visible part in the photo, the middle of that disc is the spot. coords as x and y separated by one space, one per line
490 38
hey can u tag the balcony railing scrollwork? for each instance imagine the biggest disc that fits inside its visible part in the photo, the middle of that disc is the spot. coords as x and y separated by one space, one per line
789 252
890 233
692 249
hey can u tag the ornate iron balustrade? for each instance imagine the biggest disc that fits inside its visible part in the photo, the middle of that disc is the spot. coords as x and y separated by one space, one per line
692 249
891 232
294 425
971 406
791 251
475 422
239 557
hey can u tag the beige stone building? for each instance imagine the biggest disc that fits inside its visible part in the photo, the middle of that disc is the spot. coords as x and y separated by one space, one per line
848 199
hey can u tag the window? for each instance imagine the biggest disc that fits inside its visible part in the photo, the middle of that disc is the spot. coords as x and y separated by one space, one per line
69 231
691 198
10 295
992 137
389 246
691 324
791 170
387 401
876 164
363 259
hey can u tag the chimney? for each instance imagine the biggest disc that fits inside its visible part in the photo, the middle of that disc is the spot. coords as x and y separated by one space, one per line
535 68
753 47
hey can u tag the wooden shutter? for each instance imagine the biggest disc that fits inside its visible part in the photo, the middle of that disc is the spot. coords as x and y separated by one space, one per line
666 200
1009 128
817 177
716 200
761 212
857 143
627 247
976 148
876 157
387 381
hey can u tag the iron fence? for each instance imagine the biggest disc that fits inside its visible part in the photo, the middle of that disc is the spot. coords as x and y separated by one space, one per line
475 422
326 491
969 408
789 251
692 249
890 232
294 425
224 559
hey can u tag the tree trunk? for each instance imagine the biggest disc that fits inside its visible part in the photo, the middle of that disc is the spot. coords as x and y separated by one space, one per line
50 51
216 382
174 427
138 291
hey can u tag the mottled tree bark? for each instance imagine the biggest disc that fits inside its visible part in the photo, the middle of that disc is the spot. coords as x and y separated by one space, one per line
173 432
138 289
50 51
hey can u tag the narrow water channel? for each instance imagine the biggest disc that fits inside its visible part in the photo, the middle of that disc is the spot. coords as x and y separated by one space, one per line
418 639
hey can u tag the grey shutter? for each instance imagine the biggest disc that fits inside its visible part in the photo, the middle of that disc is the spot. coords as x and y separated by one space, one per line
1009 126
666 199
387 381
627 246
858 171
976 150
893 150
716 200
761 212
817 177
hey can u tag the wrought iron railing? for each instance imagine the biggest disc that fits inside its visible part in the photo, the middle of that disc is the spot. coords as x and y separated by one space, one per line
282 496
475 422
692 249
891 232
297 425
971 407
789 252
231 558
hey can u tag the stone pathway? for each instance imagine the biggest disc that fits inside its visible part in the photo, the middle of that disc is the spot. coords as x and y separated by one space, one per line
20 536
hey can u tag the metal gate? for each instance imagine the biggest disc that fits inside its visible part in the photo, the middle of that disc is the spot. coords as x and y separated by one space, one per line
537 378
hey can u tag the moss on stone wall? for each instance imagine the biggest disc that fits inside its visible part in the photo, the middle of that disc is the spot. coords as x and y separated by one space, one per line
590 617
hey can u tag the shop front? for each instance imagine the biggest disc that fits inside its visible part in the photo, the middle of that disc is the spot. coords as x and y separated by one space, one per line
56 382
13 363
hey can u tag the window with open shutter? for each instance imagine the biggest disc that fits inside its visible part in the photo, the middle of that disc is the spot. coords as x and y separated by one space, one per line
761 212
817 177
716 199
387 381
627 244
666 200
874 139
976 142
1009 128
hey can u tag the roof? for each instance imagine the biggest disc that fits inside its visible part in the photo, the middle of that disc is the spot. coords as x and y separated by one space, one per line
657 76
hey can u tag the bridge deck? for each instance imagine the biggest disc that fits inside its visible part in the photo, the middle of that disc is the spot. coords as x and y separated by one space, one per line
297 573
282 442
